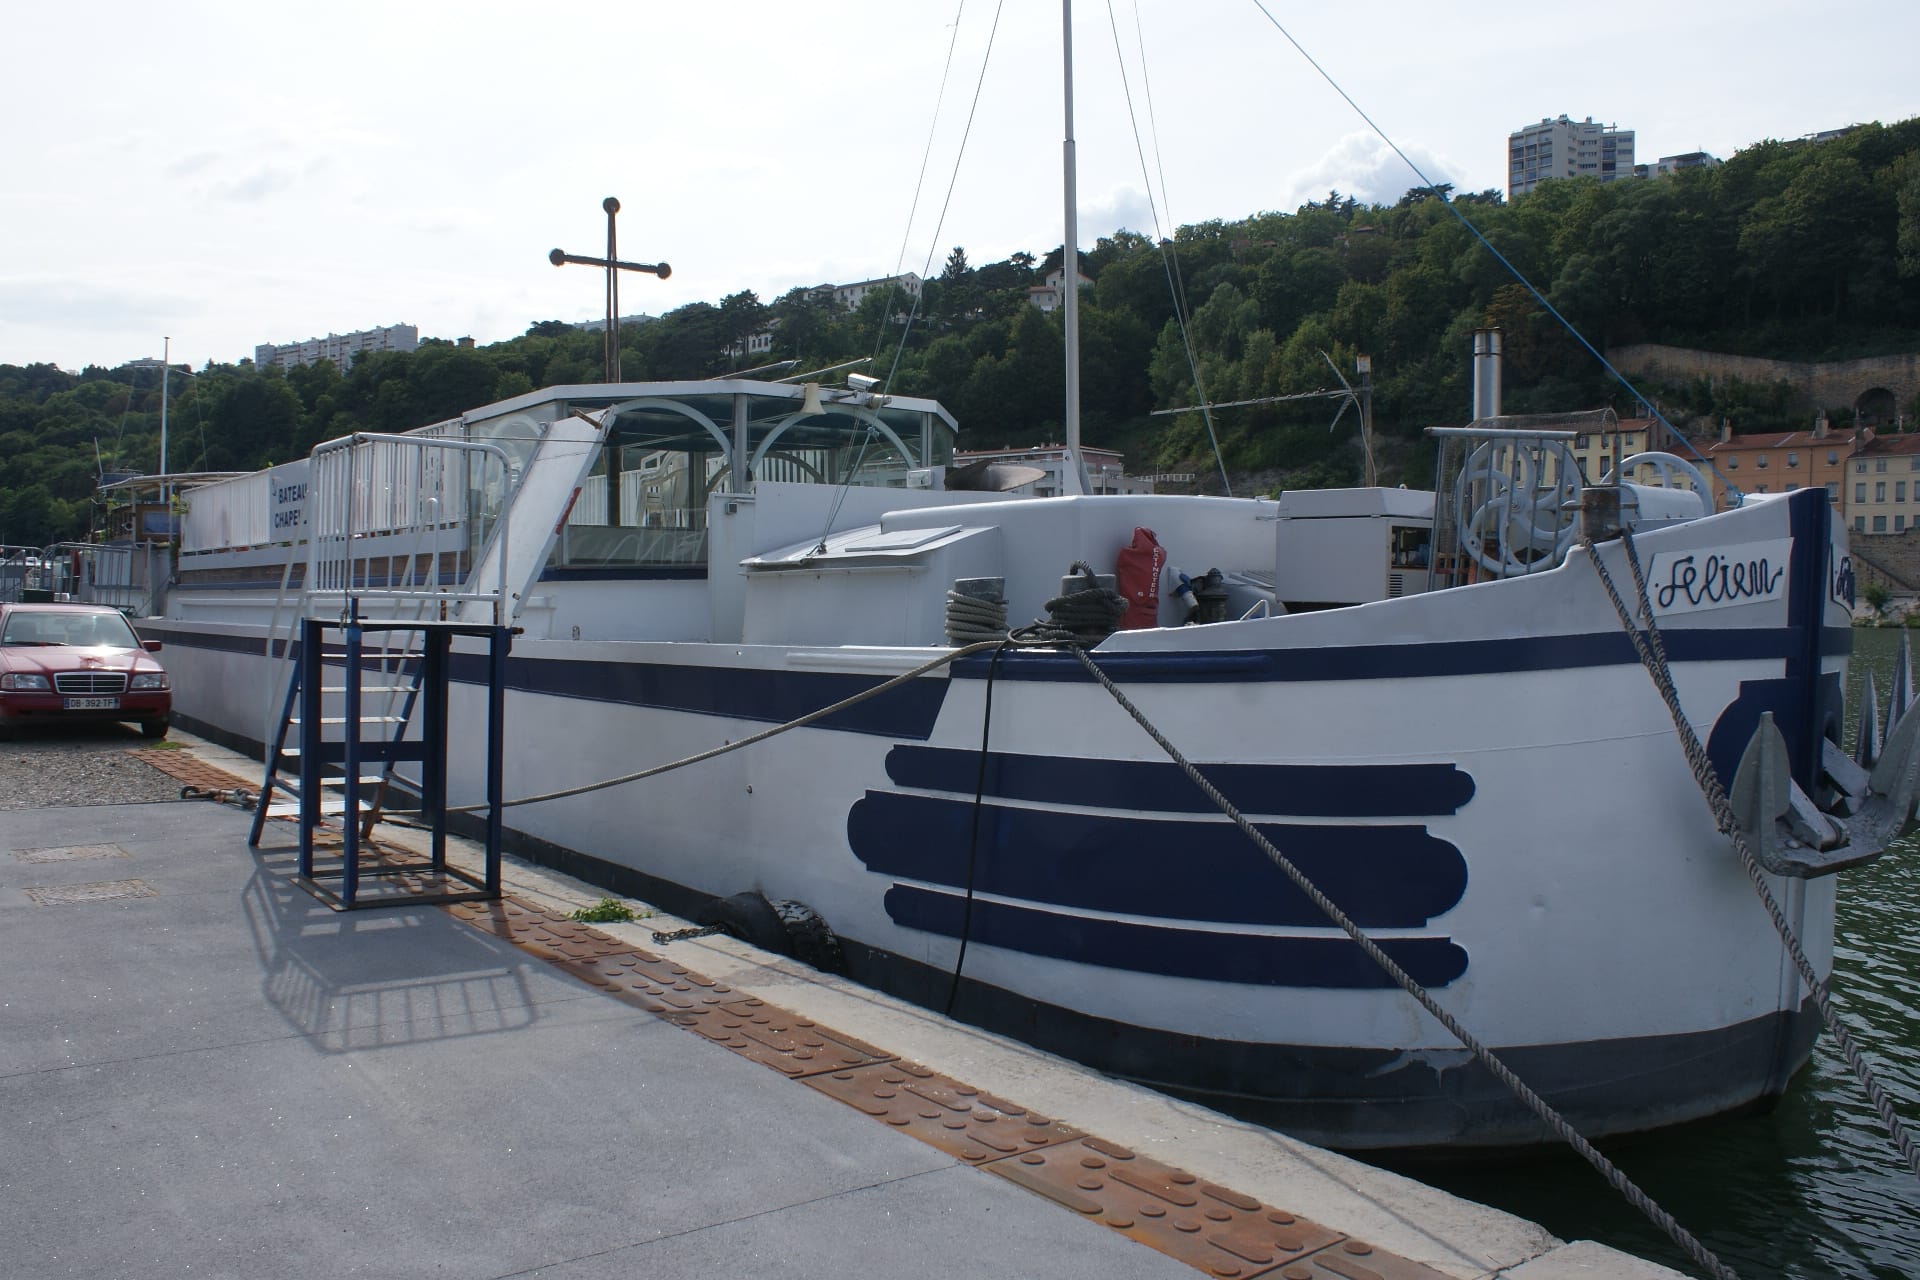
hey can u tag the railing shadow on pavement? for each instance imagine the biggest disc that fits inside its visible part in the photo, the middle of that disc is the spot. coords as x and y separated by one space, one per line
361 980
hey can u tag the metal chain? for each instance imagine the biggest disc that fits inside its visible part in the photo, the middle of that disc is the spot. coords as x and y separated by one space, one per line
684 935
1534 1102
1653 656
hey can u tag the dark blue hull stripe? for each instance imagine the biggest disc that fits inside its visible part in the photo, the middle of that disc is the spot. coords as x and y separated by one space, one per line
1384 877
1297 790
770 697
1181 953
908 713
1405 661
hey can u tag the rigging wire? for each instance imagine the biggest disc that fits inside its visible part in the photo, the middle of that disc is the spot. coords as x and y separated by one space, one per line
1169 263
839 499
1499 257
933 244
926 157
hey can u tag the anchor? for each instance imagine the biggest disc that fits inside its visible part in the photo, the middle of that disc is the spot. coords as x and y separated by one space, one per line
1873 792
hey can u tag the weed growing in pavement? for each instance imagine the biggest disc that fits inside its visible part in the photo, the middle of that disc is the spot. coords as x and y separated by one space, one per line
609 911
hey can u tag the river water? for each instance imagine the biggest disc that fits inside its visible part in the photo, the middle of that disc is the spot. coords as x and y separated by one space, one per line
1814 1189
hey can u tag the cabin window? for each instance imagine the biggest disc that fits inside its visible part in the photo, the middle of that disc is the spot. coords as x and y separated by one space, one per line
1411 547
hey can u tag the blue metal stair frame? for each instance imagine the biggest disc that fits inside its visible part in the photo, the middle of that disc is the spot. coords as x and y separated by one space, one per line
355 748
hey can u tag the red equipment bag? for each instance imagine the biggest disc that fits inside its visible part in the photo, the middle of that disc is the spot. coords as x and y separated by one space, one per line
1138 576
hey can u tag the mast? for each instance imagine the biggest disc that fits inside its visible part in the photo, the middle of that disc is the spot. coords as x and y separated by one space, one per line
166 356
1070 267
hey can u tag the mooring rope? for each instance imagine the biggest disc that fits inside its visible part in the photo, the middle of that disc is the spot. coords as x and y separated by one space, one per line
1653 656
811 717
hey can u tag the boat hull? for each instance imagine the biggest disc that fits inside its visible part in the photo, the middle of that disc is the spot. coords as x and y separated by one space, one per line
1503 806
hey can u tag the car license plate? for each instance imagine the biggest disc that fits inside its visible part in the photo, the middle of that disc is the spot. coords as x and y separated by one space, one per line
93 704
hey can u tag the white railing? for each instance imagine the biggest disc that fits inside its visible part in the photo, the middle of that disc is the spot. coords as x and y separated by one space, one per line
228 514
374 501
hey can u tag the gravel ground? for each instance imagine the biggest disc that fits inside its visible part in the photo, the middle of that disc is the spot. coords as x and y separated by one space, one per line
79 765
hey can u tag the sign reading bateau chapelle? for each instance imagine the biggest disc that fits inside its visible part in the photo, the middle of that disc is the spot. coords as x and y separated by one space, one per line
287 500
1743 573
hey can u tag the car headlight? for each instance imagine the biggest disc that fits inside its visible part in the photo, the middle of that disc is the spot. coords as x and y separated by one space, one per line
25 683
149 680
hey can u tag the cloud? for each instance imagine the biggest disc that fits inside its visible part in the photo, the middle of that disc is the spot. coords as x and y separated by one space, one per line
187 166
76 304
1122 209
258 185
1364 167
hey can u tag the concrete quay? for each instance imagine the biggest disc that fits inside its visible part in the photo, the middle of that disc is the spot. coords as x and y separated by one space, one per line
205 1071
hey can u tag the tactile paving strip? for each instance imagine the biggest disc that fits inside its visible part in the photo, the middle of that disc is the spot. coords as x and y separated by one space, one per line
1208 1227
777 1038
941 1111
176 763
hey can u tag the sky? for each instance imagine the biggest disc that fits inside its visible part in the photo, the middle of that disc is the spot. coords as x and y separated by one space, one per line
219 175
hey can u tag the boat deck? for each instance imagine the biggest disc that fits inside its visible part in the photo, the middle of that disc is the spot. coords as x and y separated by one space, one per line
203 1068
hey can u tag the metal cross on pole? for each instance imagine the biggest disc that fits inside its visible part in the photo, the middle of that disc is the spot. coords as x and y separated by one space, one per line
614 266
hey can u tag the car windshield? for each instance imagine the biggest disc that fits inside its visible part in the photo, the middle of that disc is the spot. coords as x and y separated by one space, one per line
78 629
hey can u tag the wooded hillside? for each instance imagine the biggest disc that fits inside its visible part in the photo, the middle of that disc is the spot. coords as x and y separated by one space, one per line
1788 250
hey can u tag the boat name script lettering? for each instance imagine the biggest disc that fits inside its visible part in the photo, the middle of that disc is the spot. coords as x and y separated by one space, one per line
1841 588
1715 580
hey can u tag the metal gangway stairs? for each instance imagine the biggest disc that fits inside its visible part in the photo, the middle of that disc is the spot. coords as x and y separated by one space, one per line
407 551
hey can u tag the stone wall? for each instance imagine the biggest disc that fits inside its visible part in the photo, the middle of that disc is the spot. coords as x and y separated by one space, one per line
1838 386
1892 560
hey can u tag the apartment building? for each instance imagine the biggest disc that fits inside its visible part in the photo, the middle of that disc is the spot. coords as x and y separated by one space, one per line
1779 462
341 348
1564 148
1883 485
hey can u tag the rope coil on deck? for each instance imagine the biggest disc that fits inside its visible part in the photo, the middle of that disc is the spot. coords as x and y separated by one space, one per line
1653 656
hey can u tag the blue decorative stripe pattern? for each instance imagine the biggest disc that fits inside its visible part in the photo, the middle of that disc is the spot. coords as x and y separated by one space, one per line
768 697
1385 877
1257 959
1405 661
1293 790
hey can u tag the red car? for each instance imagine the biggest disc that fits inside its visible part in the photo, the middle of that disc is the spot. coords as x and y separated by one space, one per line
66 663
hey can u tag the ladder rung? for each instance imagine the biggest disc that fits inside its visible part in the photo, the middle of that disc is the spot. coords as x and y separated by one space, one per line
366 780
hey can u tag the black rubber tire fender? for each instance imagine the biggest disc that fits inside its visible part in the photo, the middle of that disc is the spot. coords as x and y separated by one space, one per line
813 942
751 918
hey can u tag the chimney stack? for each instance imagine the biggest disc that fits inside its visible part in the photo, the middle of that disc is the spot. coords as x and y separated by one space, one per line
1486 374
